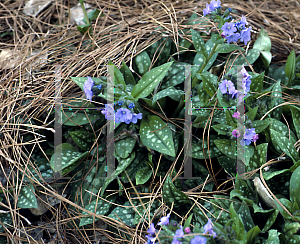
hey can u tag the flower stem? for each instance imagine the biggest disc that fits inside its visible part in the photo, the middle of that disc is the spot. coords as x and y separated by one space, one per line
84 12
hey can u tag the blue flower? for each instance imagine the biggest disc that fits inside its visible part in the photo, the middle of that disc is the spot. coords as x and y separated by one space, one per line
208 228
243 22
207 10
151 239
164 220
123 115
135 117
228 29
131 105
249 133
245 35
87 87
109 111
198 240
245 142
99 87
226 86
214 4
120 103
233 38
151 230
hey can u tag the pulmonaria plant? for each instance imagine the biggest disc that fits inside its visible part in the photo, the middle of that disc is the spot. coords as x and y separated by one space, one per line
179 234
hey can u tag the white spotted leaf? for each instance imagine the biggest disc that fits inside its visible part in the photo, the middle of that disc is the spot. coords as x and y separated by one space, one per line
257 82
172 195
295 186
169 92
227 147
284 144
125 146
296 120
67 158
124 213
270 222
228 48
209 83
258 158
83 139
175 75
198 42
150 80
222 129
156 135
275 100
27 198
260 125
143 175
142 62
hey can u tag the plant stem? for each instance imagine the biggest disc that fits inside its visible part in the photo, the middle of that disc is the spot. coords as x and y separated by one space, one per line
84 12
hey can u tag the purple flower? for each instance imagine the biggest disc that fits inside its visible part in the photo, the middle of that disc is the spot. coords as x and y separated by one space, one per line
233 38
109 111
249 133
236 115
208 228
236 133
151 230
228 29
179 233
255 137
243 21
164 220
245 142
87 87
198 240
227 86
131 105
150 238
207 10
214 4
245 35
123 115
187 230
135 117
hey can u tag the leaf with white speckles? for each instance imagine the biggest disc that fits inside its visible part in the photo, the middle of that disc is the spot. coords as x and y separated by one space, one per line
175 75
156 135
143 175
258 158
169 92
27 198
172 195
142 62
125 146
271 220
150 80
209 83
238 225
228 147
124 213
83 139
296 120
260 125
285 145
198 42
257 82
222 129
228 48
199 153
66 158
275 100
295 186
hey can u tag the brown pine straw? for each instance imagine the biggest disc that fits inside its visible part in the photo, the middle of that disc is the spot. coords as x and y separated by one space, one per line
126 29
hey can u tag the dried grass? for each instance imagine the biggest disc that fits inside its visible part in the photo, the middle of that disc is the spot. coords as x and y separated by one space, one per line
126 29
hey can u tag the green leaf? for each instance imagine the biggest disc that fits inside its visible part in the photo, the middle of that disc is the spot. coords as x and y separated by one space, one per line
123 164
188 221
217 39
257 82
209 83
92 15
83 28
228 48
237 226
198 42
184 45
296 120
175 75
101 207
252 234
127 74
67 158
125 146
252 113
199 59
259 157
229 119
210 61
271 220
118 76
150 80
171 91
124 213
295 186
73 116
275 100
142 62
222 129
282 129
143 175
251 57
260 125
156 135
228 147
273 237
198 152
263 44
27 198
83 139
171 194
290 67
285 145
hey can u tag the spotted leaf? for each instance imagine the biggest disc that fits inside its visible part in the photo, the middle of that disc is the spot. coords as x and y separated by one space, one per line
259 157
150 80
124 213
275 100
27 198
169 92
143 175
228 48
156 135
257 82
284 144
198 42
142 62
228 147
296 120
83 139
171 194
295 186
125 146
209 83
66 158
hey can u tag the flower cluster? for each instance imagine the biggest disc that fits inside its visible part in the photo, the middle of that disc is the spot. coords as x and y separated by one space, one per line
227 86
237 31
90 89
179 233
122 114
211 7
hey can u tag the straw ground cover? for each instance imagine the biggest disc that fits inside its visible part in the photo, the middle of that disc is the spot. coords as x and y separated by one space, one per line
32 47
